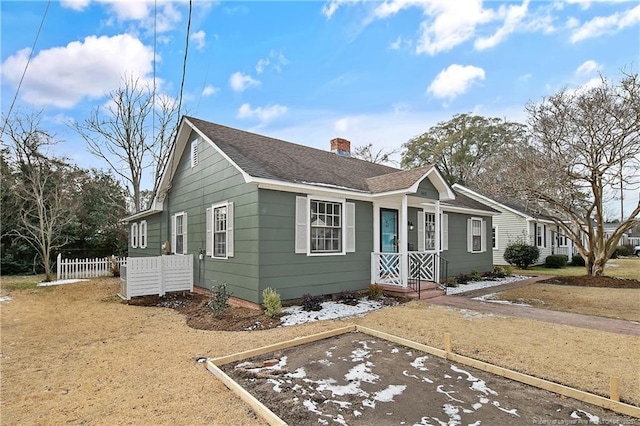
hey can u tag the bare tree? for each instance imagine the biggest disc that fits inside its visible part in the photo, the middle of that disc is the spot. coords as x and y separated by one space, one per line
132 133
381 156
45 191
571 167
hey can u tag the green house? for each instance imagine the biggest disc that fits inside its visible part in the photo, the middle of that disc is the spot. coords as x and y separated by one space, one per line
259 212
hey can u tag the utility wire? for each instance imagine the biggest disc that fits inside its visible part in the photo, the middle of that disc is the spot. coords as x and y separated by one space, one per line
186 54
33 48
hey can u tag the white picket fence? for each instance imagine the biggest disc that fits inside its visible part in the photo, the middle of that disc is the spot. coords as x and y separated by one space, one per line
145 276
86 268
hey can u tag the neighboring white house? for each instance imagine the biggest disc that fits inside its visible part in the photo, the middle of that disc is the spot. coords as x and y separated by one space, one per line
514 223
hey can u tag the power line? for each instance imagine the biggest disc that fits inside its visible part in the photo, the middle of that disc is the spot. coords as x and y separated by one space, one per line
33 49
186 54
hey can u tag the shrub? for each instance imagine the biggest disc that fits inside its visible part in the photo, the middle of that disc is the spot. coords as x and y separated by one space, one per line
114 266
219 300
311 303
463 278
475 276
374 291
499 272
621 251
271 302
348 297
577 260
452 282
556 261
521 255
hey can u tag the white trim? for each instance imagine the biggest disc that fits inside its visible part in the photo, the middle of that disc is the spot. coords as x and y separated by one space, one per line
467 210
209 232
133 237
142 239
343 224
214 207
174 236
194 152
483 234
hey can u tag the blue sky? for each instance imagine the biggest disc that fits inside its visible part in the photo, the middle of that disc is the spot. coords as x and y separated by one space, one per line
308 71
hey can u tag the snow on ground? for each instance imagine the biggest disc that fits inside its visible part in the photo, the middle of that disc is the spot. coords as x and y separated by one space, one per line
330 310
476 285
294 315
493 298
59 282
4 299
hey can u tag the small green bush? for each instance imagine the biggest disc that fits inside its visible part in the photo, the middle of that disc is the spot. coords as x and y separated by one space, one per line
499 272
311 303
219 300
374 291
271 302
556 261
521 255
452 282
577 260
508 269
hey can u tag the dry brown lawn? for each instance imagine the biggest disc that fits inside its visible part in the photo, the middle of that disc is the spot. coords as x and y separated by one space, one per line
75 354
619 303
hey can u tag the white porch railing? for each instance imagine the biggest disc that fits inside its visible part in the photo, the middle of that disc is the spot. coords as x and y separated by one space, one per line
386 268
144 276
86 268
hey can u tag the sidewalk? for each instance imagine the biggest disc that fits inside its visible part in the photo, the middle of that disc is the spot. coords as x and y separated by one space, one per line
565 318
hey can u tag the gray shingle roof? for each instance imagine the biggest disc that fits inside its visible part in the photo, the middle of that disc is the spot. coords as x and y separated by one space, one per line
269 158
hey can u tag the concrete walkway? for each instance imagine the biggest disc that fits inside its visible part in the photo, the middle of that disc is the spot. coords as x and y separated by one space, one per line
464 301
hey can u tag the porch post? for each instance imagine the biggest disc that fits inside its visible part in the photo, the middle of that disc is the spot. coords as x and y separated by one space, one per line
376 228
404 240
436 263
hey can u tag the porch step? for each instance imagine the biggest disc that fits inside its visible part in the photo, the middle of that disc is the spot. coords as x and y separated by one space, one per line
428 290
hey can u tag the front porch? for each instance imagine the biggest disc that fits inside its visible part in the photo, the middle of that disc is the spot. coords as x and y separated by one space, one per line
412 274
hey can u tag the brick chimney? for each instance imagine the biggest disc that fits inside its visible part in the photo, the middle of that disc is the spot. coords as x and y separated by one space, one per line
340 146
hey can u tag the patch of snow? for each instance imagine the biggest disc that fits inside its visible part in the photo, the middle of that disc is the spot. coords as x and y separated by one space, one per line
418 363
340 390
359 355
340 420
369 403
425 379
361 373
298 374
470 315
395 350
453 412
311 406
294 315
325 362
356 413
592 418
481 386
440 389
276 385
513 411
59 282
484 400
477 406
476 285
5 299
478 423
386 395
492 298
406 374
341 404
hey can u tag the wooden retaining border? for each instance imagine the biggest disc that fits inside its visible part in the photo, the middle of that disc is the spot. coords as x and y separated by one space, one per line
611 403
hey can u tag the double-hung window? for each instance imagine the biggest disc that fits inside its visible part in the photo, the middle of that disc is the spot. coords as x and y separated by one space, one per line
179 233
324 226
220 231
476 235
494 237
219 238
134 235
143 234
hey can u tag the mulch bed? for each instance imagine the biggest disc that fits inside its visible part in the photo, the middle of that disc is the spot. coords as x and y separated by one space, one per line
589 281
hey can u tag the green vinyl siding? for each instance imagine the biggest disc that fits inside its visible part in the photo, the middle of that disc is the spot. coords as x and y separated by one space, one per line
154 237
214 180
293 275
460 260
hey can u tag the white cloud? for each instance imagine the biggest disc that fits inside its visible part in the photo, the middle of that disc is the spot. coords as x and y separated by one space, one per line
455 80
265 114
588 68
276 60
601 25
513 17
240 82
331 6
209 90
78 5
345 124
572 22
396 44
199 39
63 76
